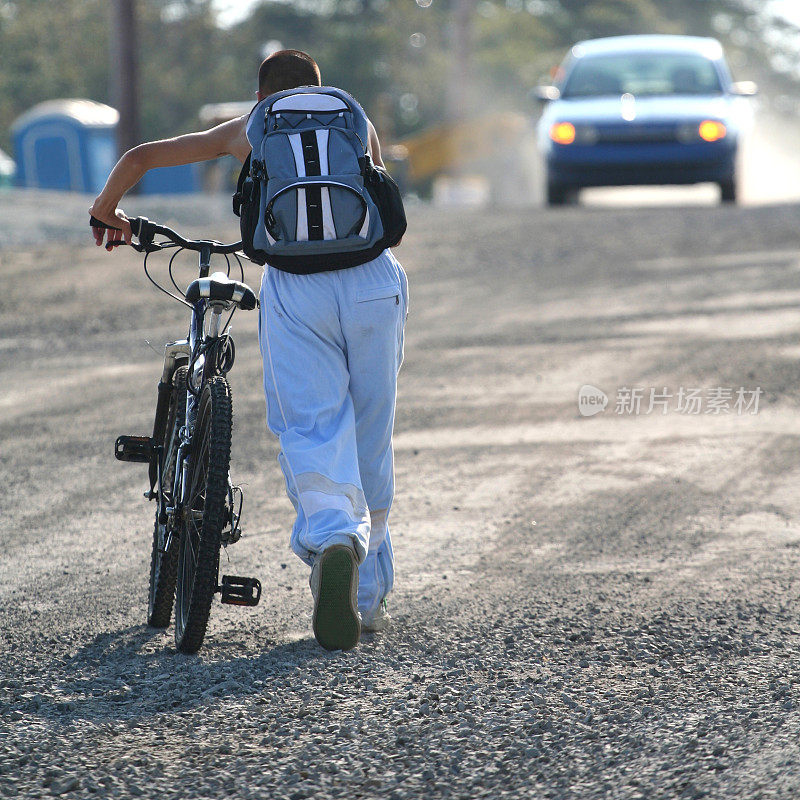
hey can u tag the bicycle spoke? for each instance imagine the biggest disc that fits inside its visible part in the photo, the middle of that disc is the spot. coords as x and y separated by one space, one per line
204 451
197 500
191 537
200 475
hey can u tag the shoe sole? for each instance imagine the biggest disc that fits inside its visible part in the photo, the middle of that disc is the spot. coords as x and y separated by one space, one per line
337 625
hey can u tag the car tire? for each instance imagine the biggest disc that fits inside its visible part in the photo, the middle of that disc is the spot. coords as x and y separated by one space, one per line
727 191
557 194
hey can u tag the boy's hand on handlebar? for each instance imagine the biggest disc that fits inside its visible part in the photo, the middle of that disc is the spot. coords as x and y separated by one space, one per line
115 219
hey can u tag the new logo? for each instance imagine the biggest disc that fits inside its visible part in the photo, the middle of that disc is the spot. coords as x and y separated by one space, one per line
591 400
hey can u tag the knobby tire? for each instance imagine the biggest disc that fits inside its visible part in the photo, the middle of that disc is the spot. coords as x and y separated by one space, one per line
205 515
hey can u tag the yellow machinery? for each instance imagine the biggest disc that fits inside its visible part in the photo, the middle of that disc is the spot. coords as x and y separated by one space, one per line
469 146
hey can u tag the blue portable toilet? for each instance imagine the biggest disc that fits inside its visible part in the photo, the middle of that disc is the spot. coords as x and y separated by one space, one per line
183 179
7 169
65 144
70 145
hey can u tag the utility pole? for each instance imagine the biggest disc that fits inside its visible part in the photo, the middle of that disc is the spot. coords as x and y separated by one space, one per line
461 44
125 72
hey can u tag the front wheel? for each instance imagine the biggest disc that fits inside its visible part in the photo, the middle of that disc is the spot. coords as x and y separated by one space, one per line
727 191
560 195
204 515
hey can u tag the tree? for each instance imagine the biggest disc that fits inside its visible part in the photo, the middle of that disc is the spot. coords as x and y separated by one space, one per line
394 56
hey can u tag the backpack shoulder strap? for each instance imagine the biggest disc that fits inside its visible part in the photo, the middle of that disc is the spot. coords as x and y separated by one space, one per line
255 123
359 115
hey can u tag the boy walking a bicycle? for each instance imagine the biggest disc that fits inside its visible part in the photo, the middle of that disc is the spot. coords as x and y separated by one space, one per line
331 344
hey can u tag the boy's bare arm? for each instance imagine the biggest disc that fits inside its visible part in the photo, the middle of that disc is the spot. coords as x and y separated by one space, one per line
374 145
229 138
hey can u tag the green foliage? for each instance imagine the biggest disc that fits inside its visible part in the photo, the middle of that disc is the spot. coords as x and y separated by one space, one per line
184 64
363 47
42 60
394 55
60 48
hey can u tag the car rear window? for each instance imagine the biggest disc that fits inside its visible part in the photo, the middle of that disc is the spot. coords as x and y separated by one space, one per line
642 74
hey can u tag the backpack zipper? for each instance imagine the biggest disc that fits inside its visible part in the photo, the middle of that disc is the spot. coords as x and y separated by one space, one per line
307 182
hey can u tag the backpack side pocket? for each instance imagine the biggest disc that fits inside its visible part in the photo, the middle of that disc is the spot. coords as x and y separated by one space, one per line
247 206
249 219
385 193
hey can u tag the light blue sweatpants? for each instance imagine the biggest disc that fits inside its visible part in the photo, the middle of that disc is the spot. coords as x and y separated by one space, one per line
332 344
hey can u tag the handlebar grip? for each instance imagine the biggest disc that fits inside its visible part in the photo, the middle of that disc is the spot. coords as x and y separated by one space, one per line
96 223
138 224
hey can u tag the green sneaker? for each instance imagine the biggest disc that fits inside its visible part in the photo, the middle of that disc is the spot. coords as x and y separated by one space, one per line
334 586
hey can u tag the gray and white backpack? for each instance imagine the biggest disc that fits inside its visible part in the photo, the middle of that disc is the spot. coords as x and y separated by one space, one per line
309 197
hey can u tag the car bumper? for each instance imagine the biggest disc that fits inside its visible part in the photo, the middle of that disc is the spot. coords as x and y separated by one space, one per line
626 165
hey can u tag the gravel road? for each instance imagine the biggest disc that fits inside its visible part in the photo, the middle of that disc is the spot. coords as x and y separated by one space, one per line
585 607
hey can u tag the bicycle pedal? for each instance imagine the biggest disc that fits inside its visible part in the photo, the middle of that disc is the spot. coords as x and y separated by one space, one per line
238 591
134 448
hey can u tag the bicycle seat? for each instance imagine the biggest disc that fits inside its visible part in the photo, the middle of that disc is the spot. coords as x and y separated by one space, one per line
219 287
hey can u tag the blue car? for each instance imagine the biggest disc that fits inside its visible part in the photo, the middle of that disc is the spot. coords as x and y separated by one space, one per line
632 110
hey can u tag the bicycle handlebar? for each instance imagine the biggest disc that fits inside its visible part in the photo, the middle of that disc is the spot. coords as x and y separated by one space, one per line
144 231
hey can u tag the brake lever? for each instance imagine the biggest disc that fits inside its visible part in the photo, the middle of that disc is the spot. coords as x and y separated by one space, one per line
140 248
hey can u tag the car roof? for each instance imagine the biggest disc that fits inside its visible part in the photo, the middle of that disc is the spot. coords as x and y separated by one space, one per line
701 45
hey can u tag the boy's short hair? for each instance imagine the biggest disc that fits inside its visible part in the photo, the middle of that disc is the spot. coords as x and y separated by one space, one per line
287 69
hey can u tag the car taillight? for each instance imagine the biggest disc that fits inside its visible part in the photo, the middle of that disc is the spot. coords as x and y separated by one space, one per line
711 130
562 133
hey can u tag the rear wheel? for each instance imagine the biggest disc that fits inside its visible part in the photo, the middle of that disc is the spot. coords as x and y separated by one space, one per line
164 564
204 516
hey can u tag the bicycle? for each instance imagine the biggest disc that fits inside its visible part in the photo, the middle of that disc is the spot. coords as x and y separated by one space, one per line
198 508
